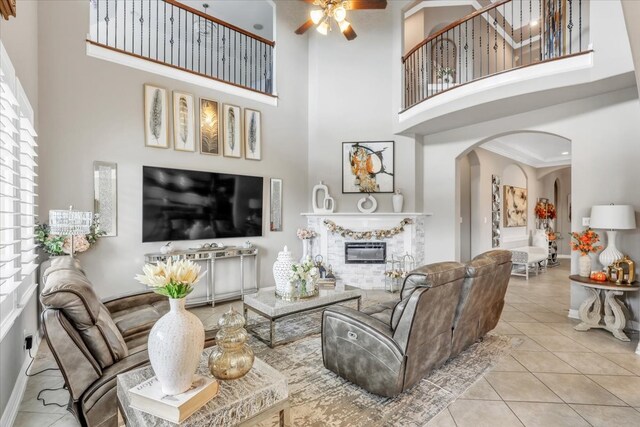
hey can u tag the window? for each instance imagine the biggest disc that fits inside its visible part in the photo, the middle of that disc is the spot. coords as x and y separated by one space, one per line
18 166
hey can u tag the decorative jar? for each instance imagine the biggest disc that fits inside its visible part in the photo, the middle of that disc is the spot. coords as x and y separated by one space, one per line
281 272
398 201
584 266
231 358
175 344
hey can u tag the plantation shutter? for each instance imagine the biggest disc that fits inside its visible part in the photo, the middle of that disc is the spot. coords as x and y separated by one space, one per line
18 167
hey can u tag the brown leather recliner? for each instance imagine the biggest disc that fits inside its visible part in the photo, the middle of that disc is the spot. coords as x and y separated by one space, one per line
92 342
443 309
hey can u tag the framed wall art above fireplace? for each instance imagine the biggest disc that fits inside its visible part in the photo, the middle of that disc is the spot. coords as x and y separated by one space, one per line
368 167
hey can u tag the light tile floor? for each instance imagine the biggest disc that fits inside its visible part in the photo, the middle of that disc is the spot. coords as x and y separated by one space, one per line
557 377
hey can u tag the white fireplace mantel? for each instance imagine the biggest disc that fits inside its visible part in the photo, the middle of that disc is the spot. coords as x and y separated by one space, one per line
369 276
371 215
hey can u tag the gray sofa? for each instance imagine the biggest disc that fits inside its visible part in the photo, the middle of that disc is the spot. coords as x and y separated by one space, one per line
93 341
443 309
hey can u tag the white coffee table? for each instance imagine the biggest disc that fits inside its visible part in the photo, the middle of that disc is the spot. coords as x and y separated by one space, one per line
268 305
260 395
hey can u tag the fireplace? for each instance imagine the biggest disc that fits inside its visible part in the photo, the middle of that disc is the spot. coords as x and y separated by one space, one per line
365 252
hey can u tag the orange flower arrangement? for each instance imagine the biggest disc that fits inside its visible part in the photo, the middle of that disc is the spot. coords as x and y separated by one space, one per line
545 210
585 242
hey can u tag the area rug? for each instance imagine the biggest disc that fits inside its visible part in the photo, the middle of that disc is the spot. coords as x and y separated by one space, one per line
319 397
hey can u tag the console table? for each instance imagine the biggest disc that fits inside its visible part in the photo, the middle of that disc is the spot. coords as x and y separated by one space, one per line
210 257
614 312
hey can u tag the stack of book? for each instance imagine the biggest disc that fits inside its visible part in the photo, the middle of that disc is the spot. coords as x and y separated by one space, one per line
326 283
148 397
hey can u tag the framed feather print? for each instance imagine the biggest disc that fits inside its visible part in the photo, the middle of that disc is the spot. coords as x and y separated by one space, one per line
252 134
209 127
232 139
156 117
184 135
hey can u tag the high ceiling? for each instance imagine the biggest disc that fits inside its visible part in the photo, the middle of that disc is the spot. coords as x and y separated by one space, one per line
246 14
533 148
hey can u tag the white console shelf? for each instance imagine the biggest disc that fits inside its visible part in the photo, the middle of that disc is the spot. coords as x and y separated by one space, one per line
223 290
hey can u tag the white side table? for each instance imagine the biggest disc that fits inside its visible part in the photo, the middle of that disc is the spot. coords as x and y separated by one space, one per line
615 313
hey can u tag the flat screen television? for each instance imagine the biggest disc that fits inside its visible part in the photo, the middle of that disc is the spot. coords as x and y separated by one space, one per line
191 205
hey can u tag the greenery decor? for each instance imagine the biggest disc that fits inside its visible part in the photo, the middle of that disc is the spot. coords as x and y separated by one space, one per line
172 279
367 235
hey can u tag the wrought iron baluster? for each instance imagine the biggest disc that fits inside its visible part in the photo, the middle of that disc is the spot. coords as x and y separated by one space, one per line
473 47
149 25
540 24
480 54
580 23
513 47
199 40
106 22
570 25
562 35
171 41
466 51
206 34
141 28
179 34
192 40
488 41
459 47
133 26
530 20
495 38
504 38
521 38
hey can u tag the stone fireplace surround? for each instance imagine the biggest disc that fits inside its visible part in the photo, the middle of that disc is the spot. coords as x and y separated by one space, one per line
366 276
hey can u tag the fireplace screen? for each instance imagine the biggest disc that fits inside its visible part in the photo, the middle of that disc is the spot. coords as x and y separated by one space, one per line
365 252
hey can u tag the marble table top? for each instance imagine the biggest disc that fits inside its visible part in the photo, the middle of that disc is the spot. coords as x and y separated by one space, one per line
236 402
266 302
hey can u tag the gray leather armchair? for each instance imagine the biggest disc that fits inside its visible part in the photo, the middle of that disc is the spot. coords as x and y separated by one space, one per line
443 308
92 342
388 348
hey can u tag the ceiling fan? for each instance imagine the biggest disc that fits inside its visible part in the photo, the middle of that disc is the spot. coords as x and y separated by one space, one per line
329 11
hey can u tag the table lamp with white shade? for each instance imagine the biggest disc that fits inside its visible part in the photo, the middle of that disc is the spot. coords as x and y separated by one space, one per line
70 223
612 218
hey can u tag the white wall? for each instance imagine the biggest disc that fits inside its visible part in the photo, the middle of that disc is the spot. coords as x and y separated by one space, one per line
600 127
19 36
92 110
354 92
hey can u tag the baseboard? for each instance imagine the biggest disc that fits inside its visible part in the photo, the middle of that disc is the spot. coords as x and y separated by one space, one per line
573 314
11 410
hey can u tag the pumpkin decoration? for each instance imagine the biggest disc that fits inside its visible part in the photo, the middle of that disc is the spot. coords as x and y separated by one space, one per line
599 276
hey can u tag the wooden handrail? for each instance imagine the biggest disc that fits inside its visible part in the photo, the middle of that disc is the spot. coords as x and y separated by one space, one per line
219 21
453 25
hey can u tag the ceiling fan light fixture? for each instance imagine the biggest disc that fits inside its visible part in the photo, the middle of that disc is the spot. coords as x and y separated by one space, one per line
339 14
344 25
323 28
317 15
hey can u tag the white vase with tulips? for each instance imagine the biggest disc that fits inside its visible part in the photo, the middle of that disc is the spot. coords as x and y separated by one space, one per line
176 341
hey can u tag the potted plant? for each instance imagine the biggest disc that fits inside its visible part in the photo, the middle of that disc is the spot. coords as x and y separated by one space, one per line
445 74
585 243
305 275
176 341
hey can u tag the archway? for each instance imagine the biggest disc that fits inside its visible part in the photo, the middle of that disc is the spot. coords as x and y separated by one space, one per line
475 167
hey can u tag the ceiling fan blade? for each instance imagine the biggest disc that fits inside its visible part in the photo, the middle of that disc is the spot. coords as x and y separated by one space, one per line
366 4
304 27
349 33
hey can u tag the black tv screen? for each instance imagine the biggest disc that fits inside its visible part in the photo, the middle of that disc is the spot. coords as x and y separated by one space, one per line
191 205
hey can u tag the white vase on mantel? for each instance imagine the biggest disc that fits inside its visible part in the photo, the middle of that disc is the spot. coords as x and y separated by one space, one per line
175 345
398 201
373 204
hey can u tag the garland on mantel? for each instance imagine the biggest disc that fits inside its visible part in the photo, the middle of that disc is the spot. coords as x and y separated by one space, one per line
367 235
